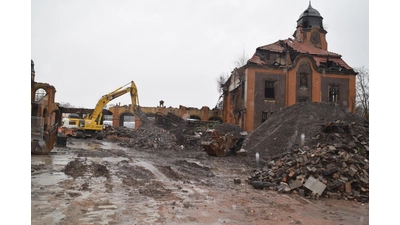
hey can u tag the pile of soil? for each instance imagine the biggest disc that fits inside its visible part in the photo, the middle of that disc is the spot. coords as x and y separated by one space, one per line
284 129
79 167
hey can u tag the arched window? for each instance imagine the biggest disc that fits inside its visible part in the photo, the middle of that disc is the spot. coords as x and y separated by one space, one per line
39 94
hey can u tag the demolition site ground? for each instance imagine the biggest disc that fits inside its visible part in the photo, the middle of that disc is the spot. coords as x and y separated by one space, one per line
147 177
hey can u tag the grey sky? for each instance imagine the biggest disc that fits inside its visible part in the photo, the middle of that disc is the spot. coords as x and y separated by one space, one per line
173 50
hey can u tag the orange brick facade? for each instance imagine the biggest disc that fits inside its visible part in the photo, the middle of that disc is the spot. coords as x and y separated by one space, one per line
287 72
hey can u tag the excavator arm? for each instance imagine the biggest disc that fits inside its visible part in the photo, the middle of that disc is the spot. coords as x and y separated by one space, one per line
105 99
91 124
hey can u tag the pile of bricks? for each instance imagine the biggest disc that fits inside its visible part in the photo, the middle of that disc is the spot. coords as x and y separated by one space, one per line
332 171
338 171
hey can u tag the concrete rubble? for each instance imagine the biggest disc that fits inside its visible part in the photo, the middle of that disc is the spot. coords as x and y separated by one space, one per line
333 162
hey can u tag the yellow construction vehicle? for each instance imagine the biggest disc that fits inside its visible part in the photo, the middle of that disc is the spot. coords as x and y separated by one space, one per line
91 125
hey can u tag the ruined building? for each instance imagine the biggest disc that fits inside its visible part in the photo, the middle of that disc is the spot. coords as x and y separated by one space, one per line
298 69
44 114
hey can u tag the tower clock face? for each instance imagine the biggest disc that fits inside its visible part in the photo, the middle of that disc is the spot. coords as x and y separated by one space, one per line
315 39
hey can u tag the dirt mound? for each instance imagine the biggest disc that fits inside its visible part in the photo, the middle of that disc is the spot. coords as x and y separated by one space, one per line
284 129
78 167
225 128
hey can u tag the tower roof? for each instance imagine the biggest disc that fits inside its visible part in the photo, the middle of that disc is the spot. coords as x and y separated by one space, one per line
310 18
310 11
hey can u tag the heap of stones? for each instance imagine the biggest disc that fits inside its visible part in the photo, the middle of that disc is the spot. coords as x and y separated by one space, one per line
146 137
152 136
334 163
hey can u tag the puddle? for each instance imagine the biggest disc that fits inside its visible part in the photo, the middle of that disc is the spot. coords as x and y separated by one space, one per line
98 145
41 160
50 160
48 178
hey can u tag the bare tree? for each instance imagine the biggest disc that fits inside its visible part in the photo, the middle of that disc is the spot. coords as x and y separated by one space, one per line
362 93
241 60
221 79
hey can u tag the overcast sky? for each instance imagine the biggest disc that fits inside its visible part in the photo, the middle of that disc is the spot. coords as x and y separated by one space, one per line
173 50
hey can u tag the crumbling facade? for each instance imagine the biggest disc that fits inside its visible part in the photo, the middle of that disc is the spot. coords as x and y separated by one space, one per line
44 115
203 114
298 69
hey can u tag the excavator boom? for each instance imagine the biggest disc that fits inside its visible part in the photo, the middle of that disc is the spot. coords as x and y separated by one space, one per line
92 125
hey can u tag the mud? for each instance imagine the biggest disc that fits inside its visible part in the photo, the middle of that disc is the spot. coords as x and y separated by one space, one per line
101 182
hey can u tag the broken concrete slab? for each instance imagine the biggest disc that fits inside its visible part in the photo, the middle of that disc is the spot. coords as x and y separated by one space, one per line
314 185
295 183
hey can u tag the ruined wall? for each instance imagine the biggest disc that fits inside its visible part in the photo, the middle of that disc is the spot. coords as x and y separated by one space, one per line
341 83
205 114
261 104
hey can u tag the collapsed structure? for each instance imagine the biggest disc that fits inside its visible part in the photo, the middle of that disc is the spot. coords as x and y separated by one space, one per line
44 114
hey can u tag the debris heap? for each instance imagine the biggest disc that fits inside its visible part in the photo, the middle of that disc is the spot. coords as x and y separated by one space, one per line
312 149
300 124
147 137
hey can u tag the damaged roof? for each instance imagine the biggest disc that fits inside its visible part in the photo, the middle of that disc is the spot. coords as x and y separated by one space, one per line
282 46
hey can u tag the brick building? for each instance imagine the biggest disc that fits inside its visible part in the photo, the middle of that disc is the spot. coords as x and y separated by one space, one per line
298 69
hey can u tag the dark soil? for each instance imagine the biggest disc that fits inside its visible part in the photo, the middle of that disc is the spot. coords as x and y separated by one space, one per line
283 130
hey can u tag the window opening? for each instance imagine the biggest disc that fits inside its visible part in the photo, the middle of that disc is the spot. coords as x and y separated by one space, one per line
269 89
39 94
303 81
264 117
333 94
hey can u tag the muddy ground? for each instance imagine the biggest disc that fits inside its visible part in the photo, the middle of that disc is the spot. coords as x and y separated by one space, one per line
100 182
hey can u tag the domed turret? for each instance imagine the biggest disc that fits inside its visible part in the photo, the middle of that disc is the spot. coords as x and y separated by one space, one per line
310 18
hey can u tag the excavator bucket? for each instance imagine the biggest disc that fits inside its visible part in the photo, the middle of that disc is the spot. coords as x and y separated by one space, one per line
42 141
39 147
139 113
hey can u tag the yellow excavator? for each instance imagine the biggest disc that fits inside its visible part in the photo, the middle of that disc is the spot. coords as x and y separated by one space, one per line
91 125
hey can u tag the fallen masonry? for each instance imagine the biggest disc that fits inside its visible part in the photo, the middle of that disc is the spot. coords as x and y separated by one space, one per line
313 156
325 170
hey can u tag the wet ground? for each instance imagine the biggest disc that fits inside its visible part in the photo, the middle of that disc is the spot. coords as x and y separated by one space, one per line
99 182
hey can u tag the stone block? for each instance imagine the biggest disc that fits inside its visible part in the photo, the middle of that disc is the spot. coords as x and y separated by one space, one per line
364 180
352 171
314 185
295 183
347 187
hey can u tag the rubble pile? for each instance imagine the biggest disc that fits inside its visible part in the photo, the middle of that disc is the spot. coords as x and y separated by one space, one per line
117 133
154 136
146 137
225 128
306 154
335 171
300 124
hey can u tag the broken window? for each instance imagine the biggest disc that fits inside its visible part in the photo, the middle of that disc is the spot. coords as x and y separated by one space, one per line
265 116
333 93
39 94
269 89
